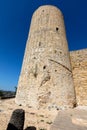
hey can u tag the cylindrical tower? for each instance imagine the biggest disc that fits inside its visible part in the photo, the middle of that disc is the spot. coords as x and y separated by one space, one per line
46 77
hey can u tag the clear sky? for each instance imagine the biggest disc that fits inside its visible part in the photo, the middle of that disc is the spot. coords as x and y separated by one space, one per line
15 17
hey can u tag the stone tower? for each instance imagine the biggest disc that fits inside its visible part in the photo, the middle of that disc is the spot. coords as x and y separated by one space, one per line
46 76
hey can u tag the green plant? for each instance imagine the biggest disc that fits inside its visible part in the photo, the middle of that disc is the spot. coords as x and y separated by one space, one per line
1 93
15 89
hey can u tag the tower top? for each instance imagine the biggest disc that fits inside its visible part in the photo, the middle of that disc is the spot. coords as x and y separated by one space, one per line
48 7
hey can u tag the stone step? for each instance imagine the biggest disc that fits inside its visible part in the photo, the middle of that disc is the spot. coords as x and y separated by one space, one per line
70 120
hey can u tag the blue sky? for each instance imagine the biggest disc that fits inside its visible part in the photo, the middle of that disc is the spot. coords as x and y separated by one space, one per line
15 17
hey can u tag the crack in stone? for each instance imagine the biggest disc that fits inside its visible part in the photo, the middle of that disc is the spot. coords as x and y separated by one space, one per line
61 65
47 78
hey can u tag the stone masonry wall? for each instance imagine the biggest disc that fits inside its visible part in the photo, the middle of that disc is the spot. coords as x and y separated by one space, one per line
46 77
79 68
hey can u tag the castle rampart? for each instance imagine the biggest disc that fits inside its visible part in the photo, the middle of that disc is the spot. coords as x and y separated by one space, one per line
79 69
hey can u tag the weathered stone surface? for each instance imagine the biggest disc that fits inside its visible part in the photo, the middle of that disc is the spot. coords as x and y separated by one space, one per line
17 120
79 69
46 75
71 119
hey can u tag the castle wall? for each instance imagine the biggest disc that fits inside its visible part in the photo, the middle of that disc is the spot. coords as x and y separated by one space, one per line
46 77
79 69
